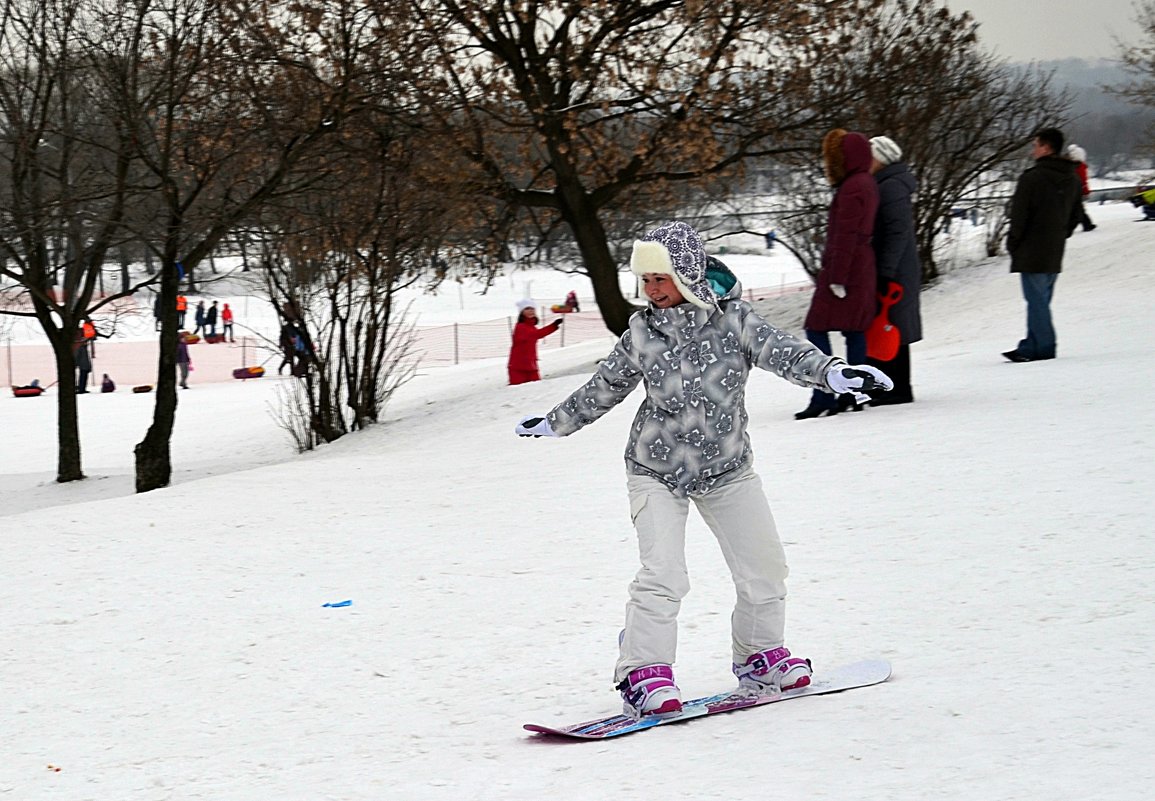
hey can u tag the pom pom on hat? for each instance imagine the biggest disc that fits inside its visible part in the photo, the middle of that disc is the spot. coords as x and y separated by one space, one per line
885 150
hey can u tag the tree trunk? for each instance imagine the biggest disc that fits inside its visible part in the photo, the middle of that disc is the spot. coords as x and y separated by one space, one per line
615 308
68 464
594 247
125 278
153 453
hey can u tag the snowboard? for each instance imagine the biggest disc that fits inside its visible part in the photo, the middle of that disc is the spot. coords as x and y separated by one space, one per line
847 677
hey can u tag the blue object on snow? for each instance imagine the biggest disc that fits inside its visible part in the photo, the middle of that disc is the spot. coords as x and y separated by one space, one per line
338 604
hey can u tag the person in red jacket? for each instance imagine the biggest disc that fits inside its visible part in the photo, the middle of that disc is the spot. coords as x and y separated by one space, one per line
523 353
227 322
1079 156
844 292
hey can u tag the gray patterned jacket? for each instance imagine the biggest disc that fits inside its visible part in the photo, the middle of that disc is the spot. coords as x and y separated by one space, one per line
690 432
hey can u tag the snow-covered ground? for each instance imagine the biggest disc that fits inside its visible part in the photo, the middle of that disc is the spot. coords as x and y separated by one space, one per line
991 540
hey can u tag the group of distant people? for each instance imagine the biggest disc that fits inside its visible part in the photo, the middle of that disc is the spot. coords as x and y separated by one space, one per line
206 321
204 318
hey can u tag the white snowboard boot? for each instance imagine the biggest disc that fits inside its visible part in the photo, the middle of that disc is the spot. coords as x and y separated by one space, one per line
773 671
650 690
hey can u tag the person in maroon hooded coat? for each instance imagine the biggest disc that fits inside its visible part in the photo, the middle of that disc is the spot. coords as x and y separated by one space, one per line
844 293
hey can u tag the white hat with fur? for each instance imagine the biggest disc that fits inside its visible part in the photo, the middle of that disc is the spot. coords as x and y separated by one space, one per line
675 249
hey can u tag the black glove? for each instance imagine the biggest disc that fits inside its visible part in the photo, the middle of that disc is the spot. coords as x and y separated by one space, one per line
557 322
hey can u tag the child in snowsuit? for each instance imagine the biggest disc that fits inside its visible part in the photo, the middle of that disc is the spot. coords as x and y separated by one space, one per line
694 348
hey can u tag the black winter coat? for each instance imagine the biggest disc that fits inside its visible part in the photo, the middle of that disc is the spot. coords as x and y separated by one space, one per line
1045 210
896 249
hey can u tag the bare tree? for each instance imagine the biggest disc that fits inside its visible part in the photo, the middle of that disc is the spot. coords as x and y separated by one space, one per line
224 104
961 117
580 112
959 114
65 155
1139 60
1118 141
338 263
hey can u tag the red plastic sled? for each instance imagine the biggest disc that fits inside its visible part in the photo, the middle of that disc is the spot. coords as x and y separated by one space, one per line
248 372
883 339
27 392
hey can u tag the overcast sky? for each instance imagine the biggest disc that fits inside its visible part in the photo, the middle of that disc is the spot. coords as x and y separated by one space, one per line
1041 30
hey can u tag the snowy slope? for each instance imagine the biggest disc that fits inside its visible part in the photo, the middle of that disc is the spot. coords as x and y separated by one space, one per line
991 540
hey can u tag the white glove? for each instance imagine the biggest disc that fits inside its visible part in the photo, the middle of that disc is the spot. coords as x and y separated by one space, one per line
534 426
839 290
857 379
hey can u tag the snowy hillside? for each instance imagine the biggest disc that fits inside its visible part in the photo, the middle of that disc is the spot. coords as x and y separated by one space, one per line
991 540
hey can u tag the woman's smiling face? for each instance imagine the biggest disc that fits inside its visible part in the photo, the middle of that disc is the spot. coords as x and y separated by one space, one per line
661 290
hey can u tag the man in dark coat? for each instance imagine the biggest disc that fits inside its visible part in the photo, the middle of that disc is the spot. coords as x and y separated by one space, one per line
199 317
896 257
844 292
1044 212
211 320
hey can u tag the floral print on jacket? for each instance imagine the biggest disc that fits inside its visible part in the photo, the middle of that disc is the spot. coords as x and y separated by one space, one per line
690 431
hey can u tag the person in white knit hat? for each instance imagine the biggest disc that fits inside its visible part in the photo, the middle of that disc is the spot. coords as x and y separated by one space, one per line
693 348
522 365
1079 156
896 260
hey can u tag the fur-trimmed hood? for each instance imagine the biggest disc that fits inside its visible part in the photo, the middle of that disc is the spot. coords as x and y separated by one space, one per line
844 153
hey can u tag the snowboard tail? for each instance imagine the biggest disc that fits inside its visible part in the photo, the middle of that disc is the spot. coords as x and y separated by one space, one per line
847 677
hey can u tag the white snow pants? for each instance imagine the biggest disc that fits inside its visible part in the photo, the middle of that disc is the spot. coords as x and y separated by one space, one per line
739 515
